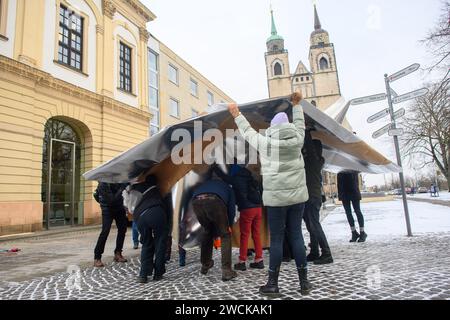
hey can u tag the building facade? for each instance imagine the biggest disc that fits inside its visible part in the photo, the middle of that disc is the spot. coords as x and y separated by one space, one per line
177 91
77 88
319 84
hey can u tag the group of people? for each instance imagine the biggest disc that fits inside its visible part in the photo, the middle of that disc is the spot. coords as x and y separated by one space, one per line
291 191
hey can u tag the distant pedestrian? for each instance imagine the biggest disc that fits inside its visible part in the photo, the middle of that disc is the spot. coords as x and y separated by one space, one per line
109 196
215 207
350 195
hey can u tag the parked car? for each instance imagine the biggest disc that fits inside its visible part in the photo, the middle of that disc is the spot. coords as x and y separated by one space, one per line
422 190
396 192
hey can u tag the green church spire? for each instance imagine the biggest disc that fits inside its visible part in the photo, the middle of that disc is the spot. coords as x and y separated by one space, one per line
274 33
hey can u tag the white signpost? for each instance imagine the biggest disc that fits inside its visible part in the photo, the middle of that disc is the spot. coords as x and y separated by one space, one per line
410 95
391 128
396 132
369 99
378 116
399 113
403 73
381 131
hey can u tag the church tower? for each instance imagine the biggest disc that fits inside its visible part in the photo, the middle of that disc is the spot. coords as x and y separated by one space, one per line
322 61
277 64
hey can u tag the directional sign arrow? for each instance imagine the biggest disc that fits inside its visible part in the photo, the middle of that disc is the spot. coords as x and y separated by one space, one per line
410 95
402 73
369 99
382 131
378 116
399 113
396 132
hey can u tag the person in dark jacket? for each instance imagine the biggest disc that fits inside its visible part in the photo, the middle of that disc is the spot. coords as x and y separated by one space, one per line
111 203
312 153
152 214
249 201
348 192
215 207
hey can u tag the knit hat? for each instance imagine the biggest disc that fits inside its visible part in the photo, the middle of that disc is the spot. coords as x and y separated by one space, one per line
280 118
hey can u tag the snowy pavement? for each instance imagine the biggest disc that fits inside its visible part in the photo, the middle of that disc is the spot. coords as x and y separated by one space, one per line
388 266
444 195
387 218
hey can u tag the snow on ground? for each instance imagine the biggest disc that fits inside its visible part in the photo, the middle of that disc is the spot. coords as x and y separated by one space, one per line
444 195
387 218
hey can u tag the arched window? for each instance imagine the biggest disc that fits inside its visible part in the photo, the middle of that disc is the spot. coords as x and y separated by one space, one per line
323 63
277 70
275 48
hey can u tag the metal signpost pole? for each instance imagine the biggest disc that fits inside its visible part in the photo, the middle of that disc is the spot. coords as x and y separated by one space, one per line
399 159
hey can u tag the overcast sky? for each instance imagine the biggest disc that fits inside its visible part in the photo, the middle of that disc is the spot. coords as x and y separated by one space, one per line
226 42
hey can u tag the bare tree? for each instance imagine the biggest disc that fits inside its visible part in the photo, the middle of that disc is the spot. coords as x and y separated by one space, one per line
438 40
427 128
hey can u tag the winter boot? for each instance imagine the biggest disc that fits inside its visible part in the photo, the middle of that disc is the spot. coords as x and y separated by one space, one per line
325 258
240 266
271 288
205 267
98 263
355 236
305 285
312 257
119 258
362 237
257 265
227 272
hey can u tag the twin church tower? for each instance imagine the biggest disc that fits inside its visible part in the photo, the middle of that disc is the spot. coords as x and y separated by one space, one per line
320 84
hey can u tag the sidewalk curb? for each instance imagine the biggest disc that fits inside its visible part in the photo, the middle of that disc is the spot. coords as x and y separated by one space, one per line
50 233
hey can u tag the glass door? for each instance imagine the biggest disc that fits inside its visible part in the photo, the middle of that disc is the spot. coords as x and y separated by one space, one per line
60 203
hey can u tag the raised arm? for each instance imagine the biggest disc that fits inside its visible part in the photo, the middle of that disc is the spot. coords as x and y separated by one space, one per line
255 139
297 114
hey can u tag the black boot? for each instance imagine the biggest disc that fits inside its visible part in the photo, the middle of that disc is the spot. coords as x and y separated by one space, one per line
355 236
325 258
271 288
362 237
312 257
305 285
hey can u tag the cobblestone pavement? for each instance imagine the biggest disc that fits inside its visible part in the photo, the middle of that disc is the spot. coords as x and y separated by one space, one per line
394 267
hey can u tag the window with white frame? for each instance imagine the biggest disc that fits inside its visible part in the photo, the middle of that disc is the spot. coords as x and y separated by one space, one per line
174 108
153 98
173 74
194 88
70 44
210 99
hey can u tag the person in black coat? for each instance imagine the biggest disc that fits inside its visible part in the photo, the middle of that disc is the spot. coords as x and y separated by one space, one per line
109 196
152 214
314 161
348 193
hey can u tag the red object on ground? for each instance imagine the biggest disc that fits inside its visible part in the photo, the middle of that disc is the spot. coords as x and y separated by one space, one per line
250 219
217 243
9 250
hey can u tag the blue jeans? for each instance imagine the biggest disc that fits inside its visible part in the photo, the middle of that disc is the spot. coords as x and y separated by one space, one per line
286 220
135 233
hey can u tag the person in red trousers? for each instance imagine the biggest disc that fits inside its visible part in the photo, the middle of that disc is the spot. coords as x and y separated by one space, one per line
249 201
